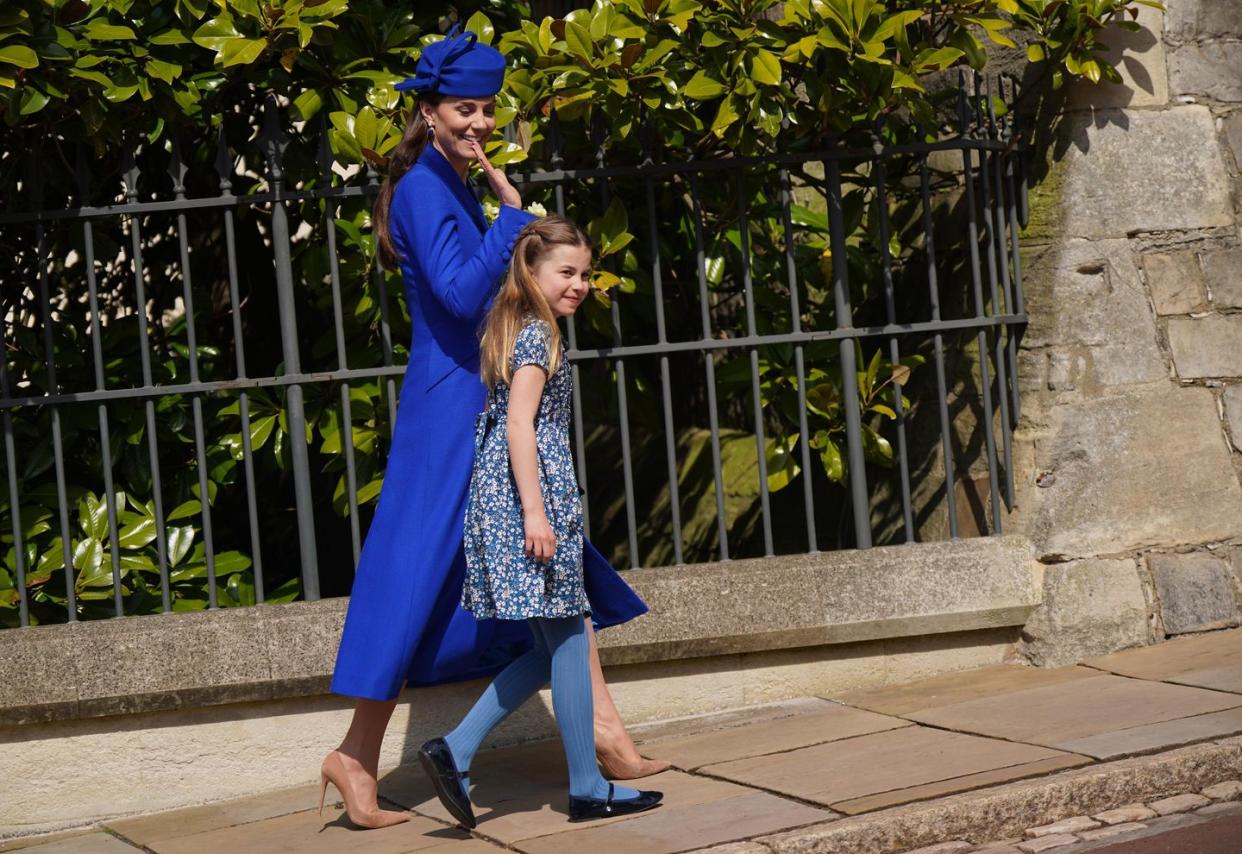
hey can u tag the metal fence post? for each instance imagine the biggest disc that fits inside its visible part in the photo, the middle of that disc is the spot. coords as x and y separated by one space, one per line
289 350
849 367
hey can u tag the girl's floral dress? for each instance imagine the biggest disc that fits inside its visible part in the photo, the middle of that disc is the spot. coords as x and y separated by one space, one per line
501 581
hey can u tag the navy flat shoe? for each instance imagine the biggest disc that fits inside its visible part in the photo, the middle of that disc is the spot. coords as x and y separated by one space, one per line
587 809
437 761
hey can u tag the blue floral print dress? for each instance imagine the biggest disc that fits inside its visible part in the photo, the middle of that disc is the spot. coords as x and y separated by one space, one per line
501 581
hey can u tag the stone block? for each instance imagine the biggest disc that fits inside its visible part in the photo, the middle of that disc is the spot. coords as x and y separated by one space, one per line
1196 19
1223 270
1141 467
1075 824
1047 843
1195 592
1233 413
1089 309
1175 280
1131 171
957 846
825 598
1179 803
1090 607
1112 830
48 686
1233 135
165 661
1226 790
1208 346
1125 815
1138 58
1212 70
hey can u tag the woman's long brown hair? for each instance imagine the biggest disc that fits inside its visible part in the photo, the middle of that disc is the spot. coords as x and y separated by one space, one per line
520 298
403 157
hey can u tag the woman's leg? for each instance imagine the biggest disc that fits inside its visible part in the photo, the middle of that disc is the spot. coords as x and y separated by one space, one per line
614 748
568 642
354 766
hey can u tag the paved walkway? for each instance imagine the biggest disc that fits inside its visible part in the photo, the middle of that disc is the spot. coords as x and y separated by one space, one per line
749 773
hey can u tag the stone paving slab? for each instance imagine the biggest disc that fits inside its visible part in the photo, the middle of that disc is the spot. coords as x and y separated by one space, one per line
831 722
148 829
843 771
1159 736
89 843
527 800
669 829
661 731
1059 715
1212 660
308 833
953 688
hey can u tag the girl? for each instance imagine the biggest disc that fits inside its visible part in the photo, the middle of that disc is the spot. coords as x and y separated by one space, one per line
524 525
404 626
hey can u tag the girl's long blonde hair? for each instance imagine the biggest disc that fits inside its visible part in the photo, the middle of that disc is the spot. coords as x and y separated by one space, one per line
520 298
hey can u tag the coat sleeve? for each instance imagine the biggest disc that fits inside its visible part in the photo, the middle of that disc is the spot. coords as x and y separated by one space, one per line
462 283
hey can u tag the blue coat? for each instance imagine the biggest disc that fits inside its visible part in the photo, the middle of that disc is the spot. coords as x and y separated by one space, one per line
404 622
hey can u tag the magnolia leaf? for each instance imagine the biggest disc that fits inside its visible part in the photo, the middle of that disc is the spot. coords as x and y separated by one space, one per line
19 55
766 68
703 87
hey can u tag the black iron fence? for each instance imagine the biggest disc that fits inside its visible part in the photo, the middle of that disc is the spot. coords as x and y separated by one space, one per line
752 289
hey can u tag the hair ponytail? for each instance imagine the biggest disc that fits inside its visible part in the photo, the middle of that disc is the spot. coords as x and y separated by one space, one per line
403 157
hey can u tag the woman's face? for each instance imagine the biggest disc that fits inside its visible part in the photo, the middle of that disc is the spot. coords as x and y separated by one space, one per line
459 122
564 276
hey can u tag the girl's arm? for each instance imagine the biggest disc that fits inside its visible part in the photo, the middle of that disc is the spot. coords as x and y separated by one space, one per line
524 394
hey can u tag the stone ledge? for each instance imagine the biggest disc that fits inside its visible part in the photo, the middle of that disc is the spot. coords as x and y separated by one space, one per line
182 660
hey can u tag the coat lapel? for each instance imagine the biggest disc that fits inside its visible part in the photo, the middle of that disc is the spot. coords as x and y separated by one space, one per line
461 191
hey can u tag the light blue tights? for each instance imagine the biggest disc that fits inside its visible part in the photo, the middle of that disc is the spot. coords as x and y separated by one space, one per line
562 652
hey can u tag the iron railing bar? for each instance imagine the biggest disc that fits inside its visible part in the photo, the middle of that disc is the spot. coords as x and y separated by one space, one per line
224 168
995 218
890 312
287 311
708 344
1017 306
709 367
765 501
795 314
859 502
15 510
976 277
177 169
558 194
58 448
623 410
346 431
933 294
105 436
130 170
260 199
377 273
666 383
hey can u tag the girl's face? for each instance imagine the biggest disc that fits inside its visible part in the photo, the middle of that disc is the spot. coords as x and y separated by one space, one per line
564 276
459 122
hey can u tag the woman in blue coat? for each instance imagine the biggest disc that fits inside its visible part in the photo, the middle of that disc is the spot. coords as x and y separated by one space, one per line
404 624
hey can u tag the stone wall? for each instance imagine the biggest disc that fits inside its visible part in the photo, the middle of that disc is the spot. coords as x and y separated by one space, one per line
1131 438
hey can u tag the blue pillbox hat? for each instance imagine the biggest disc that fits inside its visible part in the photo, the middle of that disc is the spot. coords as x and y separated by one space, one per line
458 67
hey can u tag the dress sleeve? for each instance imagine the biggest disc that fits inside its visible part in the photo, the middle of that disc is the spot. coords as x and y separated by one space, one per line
462 283
531 347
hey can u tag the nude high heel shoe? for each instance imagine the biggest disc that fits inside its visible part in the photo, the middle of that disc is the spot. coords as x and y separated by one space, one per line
616 766
361 804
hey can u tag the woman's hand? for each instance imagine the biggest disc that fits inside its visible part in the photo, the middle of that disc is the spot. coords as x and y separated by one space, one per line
499 182
540 541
